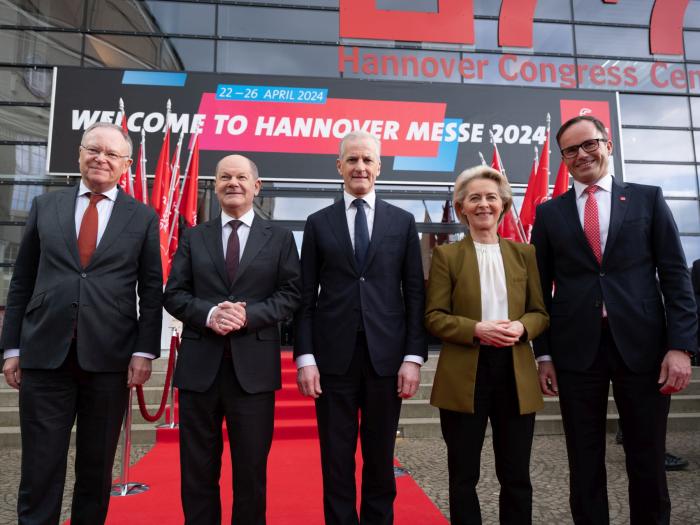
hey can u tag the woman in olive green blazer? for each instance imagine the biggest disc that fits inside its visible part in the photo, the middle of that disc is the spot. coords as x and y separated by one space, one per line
484 302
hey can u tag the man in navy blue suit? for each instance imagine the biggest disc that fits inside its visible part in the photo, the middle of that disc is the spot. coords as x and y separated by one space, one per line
622 311
360 340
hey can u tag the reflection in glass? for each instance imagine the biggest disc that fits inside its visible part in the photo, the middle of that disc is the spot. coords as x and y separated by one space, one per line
696 139
22 160
24 123
421 6
117 15
652 144
302 3
25 84
691 247
635 12
42 47
131 52
266 22
41 13
612 41
280 59
686 214
194 54
553 10
692 15
654 110
290 208
184 19
15 202
692 45
5 277
695 111
675 180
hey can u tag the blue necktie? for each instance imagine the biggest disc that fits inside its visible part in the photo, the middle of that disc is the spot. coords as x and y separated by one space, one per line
361 233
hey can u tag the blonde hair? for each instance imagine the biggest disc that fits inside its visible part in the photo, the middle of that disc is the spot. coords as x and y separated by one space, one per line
486 173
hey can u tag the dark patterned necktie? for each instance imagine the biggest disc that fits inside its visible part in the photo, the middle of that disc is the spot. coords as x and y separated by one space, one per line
361 233
233 251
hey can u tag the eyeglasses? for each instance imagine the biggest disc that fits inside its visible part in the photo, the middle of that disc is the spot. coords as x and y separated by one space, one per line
588 146
110 155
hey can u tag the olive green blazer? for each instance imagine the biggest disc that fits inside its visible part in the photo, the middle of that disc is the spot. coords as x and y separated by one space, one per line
453 307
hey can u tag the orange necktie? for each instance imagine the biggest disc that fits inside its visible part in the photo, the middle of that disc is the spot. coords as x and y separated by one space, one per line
87 238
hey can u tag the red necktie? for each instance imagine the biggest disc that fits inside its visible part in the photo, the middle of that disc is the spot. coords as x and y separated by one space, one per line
591 224
87 238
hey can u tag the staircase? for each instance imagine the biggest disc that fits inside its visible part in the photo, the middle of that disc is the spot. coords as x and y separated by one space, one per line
295 415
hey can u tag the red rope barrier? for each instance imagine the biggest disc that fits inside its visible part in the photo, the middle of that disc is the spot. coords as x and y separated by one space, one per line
174 346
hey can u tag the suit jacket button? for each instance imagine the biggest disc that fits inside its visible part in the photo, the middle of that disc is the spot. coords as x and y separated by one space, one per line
83 275
362 279
74 304
602 274
231 298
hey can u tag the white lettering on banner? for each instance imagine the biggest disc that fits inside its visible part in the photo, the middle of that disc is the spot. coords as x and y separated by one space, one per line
81 119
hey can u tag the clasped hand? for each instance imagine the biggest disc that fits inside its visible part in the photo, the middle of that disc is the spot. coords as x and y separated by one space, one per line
228 317
499 333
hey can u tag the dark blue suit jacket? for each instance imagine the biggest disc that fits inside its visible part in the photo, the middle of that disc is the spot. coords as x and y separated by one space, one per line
387 296
643 281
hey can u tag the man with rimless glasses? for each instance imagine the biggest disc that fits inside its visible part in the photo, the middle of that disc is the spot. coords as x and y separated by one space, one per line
73 338
621 309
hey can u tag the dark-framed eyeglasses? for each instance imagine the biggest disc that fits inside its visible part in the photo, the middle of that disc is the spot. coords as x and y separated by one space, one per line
110 155
589 146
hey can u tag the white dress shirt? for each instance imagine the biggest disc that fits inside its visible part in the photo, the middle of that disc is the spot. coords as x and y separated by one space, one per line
243 233
492 278
603 198
104 212
350 213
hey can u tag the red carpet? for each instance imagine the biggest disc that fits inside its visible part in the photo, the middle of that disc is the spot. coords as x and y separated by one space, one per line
294 474
294 490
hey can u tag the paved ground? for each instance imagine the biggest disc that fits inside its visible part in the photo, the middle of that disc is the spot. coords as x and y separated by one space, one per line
425 459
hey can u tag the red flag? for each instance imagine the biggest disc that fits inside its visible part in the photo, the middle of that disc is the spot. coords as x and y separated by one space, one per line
188 206
125 179
508 229
527 212
161 182
562 183
140 193
496 160
174 228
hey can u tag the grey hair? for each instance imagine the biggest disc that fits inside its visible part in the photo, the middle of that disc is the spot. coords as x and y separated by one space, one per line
360 135
481 172
109 125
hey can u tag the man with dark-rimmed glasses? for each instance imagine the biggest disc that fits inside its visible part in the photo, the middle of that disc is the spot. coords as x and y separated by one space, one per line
622 311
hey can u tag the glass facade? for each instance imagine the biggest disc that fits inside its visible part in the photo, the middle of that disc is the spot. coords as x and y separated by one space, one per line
584 43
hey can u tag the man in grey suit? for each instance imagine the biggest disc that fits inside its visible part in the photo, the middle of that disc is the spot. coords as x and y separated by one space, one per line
233 280
72 338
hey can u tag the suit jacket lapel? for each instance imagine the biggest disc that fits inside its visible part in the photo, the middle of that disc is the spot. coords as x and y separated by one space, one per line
339 227
121 215
215 247
257 238
570 212
618 208
382 216
65 204
468 272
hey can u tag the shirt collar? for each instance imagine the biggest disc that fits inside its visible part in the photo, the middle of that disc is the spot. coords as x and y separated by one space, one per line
370 199
604 183
246 218
110 194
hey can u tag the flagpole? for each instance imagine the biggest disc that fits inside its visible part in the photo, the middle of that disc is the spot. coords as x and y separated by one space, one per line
144 186
182 188
174 171
514 208
129 184
549 151
483 160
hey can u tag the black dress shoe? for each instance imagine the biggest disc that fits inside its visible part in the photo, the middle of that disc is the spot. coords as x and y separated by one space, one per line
672 462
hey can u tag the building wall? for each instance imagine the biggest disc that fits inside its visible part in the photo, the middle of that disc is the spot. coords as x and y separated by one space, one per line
588 43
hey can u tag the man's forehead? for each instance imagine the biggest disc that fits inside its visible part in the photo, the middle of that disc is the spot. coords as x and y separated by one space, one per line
361 147
110 136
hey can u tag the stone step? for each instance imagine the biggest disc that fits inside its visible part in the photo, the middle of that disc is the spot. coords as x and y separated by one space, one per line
144 434
421 408
427 427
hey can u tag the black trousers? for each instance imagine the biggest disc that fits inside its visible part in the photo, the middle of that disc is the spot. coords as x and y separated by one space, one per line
250 422
50 402
363 401
643 412
495 399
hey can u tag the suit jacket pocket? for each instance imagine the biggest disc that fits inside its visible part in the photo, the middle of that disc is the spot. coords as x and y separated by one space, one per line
127 308
35 302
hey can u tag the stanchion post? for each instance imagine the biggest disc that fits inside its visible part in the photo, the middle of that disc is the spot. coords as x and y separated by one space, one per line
124 487
170 421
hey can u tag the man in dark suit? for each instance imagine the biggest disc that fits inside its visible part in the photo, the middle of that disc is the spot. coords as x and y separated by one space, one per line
72 338
360 340
622 311
233 280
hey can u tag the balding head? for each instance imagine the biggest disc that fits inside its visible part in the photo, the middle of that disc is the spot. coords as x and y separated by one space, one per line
237 184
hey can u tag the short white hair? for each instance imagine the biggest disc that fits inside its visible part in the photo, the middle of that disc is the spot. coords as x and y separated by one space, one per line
358 135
